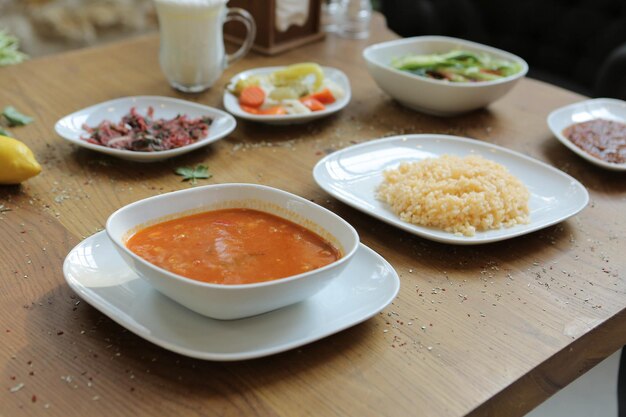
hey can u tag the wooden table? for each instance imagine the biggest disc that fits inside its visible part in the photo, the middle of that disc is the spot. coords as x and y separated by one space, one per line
488 330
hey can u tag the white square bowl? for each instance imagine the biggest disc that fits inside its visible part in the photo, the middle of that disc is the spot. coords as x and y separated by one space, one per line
233 301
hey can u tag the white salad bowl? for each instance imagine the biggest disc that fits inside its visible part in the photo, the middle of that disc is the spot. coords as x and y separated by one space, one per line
437 97
70 127
233 301
231 102
584 111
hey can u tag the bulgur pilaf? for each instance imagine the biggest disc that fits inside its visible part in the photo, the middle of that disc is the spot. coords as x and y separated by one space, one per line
458 195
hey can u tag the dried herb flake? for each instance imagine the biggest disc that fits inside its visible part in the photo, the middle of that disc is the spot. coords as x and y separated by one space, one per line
15 118
193 174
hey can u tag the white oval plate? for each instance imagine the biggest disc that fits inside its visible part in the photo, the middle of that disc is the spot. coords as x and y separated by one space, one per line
599 108
96 272
353 174
231 103
70 127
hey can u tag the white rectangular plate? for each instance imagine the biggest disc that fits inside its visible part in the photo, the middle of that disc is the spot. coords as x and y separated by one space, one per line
99 275
352 175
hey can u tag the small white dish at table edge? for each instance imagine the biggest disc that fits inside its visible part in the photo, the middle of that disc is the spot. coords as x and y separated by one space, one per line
224 122
136 316
556 126
231 103
438 235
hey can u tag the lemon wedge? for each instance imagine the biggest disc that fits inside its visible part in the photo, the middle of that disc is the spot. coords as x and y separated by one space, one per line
17 162
296 72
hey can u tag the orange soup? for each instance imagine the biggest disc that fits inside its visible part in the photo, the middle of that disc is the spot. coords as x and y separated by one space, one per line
232 246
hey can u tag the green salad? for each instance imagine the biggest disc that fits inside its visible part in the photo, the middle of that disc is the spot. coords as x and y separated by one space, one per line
457 66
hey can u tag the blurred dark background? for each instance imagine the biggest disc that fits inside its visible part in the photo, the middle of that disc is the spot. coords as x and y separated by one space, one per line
576 44
579 45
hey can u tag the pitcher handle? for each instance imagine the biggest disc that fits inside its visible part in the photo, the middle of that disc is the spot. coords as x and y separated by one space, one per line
237 14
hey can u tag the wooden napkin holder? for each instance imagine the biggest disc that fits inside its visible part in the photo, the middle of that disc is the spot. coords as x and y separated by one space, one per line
269 40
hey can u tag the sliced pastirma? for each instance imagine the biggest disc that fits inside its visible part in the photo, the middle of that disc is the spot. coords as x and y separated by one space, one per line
146 134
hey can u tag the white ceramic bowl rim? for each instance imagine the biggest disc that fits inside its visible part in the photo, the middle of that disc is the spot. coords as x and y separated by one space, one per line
457 42
155 199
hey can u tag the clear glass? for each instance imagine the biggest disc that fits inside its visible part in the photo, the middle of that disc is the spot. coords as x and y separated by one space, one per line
330 9
353 18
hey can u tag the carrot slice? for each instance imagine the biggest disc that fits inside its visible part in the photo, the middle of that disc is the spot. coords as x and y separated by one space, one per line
252 96
249 109
276 110
325 96
312 104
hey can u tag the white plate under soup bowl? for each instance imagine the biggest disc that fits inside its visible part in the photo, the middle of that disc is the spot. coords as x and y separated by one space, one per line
437 97
233 301
584 111
71 129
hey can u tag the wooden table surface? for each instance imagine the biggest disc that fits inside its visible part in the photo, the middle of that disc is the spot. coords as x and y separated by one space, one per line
483 331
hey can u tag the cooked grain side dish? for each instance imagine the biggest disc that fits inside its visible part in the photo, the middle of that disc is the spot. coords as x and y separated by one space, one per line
458 195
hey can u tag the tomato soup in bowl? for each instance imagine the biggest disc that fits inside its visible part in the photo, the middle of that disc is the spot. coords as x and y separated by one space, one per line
233 246
233 250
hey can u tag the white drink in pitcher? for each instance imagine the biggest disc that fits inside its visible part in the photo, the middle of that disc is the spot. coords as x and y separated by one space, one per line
192 52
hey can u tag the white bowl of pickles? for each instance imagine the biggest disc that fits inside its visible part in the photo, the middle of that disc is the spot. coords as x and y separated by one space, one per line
443 76
293 94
